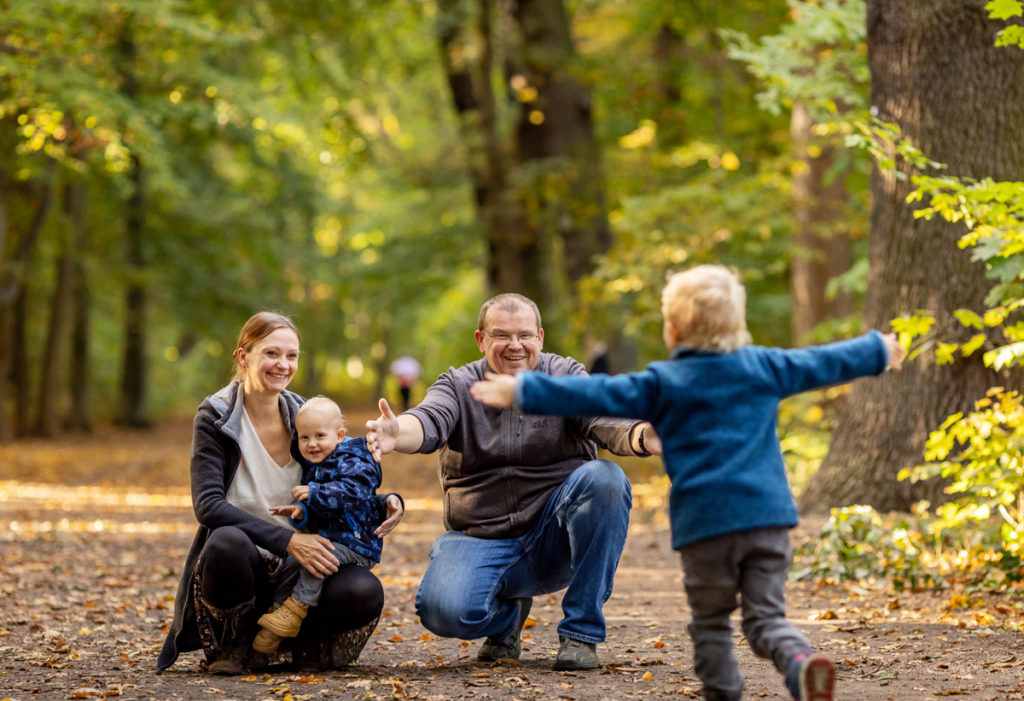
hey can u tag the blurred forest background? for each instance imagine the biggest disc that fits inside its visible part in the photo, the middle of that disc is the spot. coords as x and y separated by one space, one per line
378 168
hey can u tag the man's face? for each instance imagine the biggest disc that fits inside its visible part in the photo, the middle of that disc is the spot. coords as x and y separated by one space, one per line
510 341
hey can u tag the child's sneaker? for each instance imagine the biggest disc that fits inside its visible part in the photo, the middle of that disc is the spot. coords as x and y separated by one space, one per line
815 678
266 641
286 620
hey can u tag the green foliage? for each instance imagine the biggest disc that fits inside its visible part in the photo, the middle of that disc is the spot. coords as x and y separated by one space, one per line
856 543
1011 35
981 454
818 59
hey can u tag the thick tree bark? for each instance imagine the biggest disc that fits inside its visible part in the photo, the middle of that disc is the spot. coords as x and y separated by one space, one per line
936 73
822 249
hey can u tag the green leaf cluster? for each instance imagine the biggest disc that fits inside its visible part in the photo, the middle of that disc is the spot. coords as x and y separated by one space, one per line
856 543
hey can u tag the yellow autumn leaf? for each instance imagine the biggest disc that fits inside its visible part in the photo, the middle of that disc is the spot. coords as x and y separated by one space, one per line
647 676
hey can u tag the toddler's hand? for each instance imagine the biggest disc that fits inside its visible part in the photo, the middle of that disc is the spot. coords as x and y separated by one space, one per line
896 352
300 493
497 390
291 511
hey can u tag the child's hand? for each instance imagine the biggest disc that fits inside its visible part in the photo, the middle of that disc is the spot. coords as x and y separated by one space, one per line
896 352
300 493
293 511
496 390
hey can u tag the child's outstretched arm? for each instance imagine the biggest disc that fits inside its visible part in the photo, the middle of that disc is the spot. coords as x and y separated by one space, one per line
497 390
896 352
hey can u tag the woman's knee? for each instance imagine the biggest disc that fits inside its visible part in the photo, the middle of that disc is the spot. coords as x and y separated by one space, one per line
351 597
227 544
229 564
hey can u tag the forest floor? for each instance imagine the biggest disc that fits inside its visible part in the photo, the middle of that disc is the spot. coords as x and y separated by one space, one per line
93 531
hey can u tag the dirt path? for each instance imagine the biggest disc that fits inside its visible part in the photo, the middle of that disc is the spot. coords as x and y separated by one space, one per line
90 559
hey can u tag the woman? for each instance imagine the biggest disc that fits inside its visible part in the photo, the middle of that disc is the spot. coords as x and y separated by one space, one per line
244 460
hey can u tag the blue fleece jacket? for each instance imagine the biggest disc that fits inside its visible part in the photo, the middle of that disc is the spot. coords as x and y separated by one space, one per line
716 415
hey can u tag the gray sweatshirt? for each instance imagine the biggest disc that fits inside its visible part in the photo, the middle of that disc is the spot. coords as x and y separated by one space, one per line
499 466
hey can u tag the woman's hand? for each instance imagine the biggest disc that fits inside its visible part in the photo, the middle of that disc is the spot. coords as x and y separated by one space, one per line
314 552
300 492
395 513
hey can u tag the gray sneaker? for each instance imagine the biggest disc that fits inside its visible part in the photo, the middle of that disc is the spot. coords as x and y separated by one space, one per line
511 647
575 654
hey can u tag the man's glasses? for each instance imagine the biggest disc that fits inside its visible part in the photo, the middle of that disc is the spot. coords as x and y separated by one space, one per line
502 337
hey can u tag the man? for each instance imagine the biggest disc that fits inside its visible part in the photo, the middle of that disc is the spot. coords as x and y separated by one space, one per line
528 507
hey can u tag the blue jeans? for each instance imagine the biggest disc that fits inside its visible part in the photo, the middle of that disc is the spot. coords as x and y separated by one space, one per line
471 585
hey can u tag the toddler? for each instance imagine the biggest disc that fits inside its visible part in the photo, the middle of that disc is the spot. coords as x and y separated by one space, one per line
337 499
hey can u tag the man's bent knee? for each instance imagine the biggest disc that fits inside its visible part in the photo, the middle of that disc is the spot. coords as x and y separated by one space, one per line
605 481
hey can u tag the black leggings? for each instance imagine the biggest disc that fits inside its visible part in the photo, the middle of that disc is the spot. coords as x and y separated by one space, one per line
233 573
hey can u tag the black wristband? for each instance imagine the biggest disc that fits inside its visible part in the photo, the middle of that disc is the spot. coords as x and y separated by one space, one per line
640 442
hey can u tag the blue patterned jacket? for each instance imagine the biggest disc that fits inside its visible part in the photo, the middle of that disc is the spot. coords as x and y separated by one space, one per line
342 505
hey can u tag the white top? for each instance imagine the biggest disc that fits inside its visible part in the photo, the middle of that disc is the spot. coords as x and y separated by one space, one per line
260 482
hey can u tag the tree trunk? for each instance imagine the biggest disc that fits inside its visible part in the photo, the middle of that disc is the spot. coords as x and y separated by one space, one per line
6 322
556 131
47 421
132 409
936 73
132 401
822 249
79 416
466 30
14 369
21 376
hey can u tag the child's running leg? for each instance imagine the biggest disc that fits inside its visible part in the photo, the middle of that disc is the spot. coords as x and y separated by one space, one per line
763 590
711 580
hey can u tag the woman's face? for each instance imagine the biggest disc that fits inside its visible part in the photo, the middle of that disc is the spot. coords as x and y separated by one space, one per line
272 362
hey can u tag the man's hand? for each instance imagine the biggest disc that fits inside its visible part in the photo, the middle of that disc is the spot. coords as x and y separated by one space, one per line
300 492
382 432
497 390
896 352
652 442
395 512
291 511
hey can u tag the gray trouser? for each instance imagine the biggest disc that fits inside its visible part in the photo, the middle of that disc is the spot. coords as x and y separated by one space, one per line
307 589
752 564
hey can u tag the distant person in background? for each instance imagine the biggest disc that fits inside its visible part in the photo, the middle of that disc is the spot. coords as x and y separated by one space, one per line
599 359
407 371
245 460
528 507
338 500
